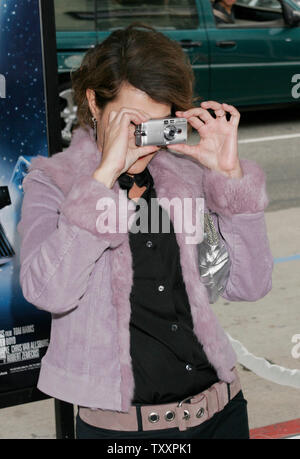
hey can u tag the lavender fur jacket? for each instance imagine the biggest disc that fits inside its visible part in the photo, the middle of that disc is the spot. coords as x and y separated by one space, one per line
83 277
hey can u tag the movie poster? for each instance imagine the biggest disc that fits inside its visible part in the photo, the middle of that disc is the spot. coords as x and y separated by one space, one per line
24 330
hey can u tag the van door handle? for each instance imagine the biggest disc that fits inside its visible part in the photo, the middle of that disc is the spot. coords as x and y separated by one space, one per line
190 43
226 44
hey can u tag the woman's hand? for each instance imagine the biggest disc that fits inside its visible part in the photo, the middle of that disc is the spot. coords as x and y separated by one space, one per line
217 148
119 151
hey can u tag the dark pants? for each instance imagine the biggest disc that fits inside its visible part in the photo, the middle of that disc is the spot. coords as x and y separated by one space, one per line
231 422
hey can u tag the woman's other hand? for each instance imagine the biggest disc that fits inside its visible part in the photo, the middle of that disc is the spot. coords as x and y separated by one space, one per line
217 148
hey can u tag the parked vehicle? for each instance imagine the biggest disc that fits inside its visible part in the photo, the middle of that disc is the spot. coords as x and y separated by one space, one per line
254 62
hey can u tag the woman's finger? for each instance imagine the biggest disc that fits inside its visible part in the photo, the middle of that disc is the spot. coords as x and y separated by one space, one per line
139 152
140 115
217 107
183 148
220 113
200 112
213 104
142 151
235 114
112 116
126 118
196 122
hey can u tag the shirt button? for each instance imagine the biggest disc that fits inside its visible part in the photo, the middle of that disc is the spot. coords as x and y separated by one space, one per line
188 367
174 327
149 243
161 288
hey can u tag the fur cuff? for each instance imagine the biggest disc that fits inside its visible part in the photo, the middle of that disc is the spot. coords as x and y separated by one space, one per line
228 196
94 207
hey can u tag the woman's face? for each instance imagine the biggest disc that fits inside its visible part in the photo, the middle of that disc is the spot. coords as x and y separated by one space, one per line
131 97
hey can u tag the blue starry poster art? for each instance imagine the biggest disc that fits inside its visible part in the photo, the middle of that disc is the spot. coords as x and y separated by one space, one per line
24 330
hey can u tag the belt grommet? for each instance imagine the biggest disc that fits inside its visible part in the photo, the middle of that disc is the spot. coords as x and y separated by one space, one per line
169 416
186 415
153 417
200 413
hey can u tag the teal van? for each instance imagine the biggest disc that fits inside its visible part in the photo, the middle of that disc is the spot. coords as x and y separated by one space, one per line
253 62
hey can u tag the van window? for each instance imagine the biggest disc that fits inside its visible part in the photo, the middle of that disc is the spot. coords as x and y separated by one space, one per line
66 21
105 15
249 13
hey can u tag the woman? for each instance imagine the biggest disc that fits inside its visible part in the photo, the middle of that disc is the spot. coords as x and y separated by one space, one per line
134 342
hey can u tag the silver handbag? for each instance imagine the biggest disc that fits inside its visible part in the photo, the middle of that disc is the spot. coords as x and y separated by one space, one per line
213 260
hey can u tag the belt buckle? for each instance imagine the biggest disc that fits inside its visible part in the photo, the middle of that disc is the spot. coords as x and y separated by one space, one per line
182 420
187 398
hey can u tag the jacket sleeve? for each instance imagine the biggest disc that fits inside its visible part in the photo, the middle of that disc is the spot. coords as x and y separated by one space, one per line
239 206
60 243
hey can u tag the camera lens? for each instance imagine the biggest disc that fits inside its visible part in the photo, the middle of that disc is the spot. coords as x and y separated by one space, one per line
170 132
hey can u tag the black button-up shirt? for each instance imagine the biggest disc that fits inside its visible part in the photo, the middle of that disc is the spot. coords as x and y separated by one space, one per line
168 362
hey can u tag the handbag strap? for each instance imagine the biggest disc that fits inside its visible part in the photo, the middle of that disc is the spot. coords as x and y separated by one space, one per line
210 229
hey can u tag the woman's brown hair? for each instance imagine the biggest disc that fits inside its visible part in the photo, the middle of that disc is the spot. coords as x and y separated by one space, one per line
146 59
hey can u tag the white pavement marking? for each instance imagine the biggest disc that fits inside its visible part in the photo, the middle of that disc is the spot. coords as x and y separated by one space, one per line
266 139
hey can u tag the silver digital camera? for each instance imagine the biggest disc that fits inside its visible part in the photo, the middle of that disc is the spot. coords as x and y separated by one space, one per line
161 131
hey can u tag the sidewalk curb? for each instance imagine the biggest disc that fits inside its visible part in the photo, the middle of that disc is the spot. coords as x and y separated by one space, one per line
288 429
